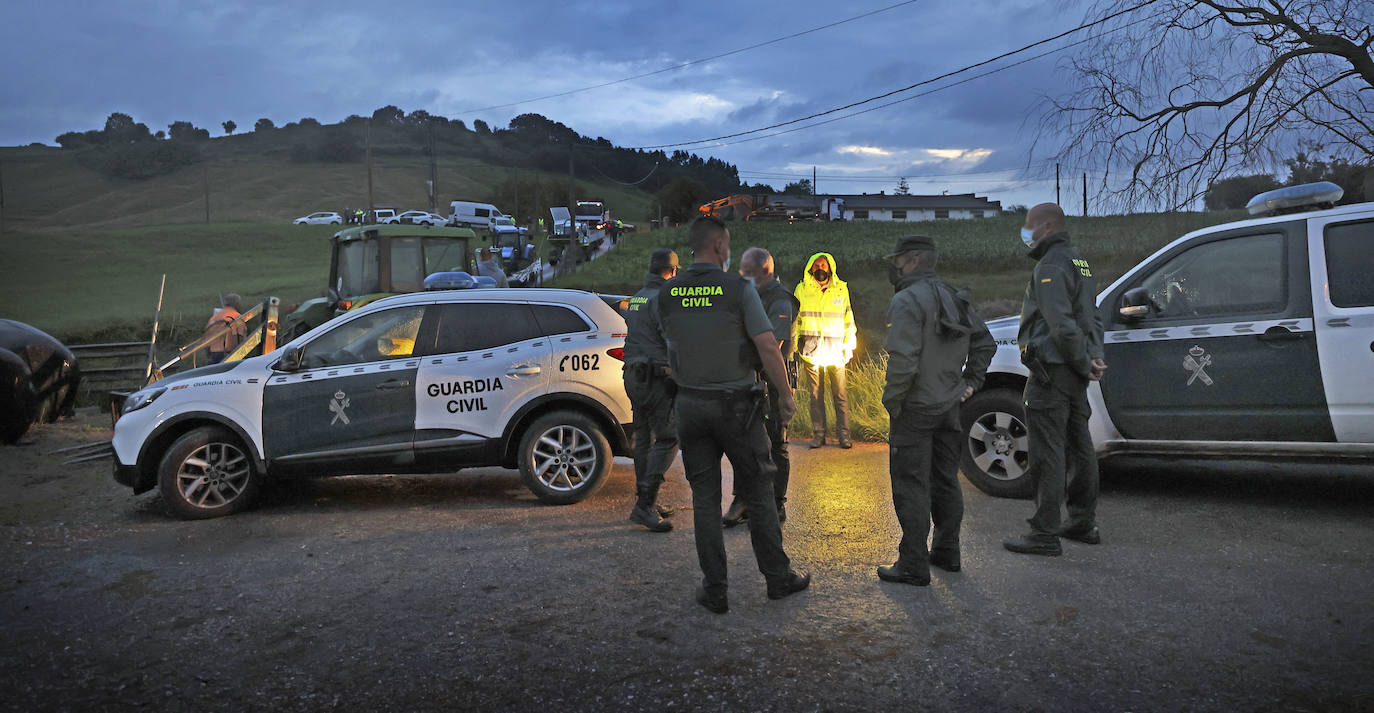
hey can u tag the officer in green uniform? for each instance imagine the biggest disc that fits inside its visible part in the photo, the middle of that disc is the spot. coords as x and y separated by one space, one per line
938 355
717 334
756 265
1061 344
651 392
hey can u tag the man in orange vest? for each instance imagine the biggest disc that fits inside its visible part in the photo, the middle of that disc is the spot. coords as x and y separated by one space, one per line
230 339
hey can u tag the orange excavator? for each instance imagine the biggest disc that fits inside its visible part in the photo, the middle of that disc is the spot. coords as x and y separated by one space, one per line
736 207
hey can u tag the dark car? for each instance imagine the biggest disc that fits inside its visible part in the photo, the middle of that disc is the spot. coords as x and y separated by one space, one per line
38 379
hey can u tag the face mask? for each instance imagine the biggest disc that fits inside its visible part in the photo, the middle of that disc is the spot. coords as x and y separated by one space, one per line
726 266
1028 237
820 275
894 274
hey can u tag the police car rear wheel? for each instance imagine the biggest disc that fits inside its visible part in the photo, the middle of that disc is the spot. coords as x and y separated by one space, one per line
996 443
564 457
207 473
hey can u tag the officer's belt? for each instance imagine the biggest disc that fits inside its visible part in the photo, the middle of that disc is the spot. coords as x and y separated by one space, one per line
644 370
717 394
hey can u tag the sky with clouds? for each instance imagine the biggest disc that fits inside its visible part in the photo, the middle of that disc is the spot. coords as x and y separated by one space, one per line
69 64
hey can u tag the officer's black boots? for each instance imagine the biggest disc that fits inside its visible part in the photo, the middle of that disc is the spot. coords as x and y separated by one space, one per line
717 604
791 584
737 513
645 513
1034 544
894 573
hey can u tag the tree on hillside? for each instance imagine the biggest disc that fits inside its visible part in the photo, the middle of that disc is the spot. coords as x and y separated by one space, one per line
1176 95
903 188
680 198
800 188
1235 192
1308 167
229 127
480 126
186 131
309 122
122 129
264 124
388 115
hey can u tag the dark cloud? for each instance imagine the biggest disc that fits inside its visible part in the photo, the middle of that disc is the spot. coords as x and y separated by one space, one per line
204 62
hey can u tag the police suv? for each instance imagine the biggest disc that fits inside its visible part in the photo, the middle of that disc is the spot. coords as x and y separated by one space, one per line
1251 339
424 382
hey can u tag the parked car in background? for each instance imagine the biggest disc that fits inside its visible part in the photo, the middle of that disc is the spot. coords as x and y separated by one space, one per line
418 217
324 217
382 216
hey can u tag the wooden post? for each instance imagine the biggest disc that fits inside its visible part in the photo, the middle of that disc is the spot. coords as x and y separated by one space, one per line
1056 184
152 344
1085 194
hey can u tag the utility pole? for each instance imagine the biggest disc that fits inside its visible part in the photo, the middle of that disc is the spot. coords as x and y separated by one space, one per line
515 182
572 202
1056 184
1085 194
433 170
813 181
205 181
371 207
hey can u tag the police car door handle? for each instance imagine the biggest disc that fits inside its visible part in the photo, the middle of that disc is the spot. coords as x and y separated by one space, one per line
1279 334
394 384
523 370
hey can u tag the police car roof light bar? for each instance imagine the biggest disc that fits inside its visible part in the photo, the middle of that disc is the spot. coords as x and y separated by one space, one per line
1292 199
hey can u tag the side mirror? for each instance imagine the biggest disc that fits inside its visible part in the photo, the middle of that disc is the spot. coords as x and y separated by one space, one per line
289 361
1135 304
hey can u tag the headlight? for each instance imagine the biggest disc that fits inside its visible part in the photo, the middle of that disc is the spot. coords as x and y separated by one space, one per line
139 399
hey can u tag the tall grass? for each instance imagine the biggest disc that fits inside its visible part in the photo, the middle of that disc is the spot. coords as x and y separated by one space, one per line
867 418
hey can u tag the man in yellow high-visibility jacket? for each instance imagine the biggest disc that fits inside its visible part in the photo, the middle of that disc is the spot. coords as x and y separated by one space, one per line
825 339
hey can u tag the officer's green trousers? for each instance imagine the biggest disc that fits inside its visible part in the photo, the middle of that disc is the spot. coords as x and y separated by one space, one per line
1062 462
709 427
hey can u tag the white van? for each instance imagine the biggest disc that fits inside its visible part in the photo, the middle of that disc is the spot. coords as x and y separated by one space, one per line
478 216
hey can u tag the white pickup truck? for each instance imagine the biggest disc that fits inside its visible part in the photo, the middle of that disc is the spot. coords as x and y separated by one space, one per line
1252 339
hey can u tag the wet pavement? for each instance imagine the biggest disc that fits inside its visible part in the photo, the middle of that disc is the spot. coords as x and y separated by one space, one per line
1211 592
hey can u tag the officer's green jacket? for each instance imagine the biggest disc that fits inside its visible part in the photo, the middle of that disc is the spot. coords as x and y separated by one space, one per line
1059 313
781 306
927 371
709 319
644 335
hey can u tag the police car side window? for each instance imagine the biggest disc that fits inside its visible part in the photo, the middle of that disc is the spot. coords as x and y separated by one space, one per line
470 326
553 320
1350 264
389 334
1235 276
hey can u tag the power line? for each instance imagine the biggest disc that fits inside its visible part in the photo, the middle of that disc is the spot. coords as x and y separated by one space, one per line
928 92
921 83
692 62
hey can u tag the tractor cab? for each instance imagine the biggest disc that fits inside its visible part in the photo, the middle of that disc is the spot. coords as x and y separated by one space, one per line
374 261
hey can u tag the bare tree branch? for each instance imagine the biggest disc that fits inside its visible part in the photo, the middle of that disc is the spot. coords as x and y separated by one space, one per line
1206 88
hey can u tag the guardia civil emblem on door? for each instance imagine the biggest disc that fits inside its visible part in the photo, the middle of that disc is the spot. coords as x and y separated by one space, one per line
337 407
1196 363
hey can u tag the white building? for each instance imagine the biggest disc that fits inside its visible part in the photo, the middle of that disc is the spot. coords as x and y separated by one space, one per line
891 207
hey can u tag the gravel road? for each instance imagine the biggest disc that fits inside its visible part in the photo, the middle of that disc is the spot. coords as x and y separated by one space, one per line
1240 591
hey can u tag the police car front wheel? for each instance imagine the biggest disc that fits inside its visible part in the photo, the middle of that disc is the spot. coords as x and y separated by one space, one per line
996 443
564 457
207 473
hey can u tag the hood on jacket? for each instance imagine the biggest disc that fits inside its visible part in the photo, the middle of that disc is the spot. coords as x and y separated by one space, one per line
810 281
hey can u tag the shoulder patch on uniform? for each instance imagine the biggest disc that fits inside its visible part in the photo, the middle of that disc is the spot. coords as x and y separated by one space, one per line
1045 280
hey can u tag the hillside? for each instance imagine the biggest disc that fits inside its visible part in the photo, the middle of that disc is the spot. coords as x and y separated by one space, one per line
49 188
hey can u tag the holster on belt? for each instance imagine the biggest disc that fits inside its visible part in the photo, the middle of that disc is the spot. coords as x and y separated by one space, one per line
758 397
1030 357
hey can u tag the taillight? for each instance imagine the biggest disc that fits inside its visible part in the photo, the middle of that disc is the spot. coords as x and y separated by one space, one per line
617 353
345 305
